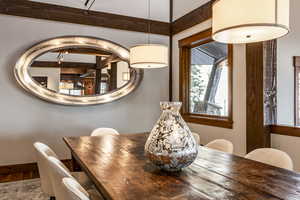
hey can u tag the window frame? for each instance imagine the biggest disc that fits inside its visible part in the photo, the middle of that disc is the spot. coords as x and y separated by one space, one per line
185 46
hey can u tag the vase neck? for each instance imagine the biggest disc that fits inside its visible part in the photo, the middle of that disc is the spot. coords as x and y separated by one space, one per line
170 106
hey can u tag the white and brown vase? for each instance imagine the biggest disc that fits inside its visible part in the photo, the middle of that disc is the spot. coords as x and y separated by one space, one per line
171 145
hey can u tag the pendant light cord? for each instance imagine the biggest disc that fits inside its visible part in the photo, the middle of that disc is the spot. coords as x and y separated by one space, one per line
149 15
91 5
89 8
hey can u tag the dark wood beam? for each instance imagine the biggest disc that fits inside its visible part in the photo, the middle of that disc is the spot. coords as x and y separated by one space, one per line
37 10
95 52
98 75
258 134
113 76
51 64
73 70
193 18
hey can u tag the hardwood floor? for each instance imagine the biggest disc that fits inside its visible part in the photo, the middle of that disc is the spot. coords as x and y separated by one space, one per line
18 176
24 171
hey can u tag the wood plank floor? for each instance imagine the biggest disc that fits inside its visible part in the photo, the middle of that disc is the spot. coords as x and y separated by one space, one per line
20 172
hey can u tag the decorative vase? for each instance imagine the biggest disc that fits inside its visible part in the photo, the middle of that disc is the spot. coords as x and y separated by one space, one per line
171 145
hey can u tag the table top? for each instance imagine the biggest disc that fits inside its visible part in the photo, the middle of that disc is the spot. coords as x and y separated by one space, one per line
119 169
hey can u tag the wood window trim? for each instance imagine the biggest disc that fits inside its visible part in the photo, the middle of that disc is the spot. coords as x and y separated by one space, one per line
285 130
185 45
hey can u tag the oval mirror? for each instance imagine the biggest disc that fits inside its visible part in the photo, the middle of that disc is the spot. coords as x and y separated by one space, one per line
77 70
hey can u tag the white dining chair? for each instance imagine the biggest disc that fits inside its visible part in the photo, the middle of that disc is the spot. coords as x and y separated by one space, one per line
58 171
43 153
272 157
197 137
104 131
74 191
221 145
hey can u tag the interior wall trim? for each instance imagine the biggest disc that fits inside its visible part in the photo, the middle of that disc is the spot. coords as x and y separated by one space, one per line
26 171
37 10
285 130
257 133
193 18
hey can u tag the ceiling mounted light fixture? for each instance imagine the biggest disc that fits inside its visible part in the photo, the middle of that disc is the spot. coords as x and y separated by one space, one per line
247 21
149 56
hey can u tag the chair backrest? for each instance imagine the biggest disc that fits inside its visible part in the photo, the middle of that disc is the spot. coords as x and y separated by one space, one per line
104 131
58 171
43 152
221 145
272 157
197 138
73 190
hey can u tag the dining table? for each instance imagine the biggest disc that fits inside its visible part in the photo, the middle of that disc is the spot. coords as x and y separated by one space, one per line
117 166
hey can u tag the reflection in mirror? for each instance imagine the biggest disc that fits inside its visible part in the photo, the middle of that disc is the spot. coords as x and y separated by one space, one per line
80 71
209 79
77 71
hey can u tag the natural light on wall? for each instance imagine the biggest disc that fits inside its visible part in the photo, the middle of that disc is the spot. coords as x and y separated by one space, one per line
247 21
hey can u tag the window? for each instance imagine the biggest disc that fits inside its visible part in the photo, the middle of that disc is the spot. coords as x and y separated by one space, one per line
297 90
206 80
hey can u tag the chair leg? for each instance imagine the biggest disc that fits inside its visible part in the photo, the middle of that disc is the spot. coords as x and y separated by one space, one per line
52 198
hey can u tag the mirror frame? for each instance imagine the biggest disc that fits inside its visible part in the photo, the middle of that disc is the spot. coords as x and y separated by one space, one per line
23 77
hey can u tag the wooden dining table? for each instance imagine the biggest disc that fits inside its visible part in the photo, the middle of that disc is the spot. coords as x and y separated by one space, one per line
120 171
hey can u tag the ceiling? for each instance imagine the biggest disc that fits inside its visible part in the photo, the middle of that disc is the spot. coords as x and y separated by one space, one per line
134 8
183 7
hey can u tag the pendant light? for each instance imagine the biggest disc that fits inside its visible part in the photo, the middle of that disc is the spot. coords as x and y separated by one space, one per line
149 55
247 21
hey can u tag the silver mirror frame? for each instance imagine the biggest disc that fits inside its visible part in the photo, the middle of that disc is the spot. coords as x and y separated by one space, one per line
23 77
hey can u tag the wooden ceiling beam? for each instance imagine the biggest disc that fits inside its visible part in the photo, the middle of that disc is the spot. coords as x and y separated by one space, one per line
37 10
86 51
193 18
73 70
110 59
51 64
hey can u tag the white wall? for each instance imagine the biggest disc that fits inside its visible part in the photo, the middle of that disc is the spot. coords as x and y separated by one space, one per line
183 7
52 74
289 145
122 67
288 47
25 119
237 135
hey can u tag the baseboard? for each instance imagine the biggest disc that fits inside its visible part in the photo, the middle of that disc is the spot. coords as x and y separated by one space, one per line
26 171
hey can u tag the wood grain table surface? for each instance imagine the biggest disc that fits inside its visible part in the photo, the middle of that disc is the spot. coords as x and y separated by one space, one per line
120 171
